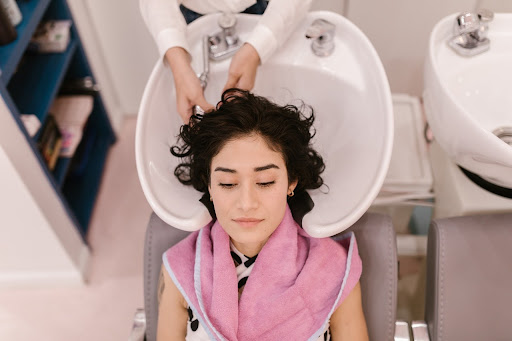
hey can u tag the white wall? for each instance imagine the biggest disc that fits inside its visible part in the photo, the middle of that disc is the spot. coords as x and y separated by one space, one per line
38 242
496 5
96 55
337 6
120 48
29 250
399 30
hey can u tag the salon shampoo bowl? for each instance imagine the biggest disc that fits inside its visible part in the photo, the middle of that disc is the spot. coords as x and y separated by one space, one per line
468 100
348 90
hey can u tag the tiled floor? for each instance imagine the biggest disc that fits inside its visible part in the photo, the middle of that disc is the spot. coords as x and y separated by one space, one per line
103 309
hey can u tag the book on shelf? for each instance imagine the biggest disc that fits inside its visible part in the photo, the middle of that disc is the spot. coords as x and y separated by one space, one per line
50 141
71 114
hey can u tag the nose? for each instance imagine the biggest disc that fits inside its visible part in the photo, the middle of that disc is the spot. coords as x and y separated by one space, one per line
248 199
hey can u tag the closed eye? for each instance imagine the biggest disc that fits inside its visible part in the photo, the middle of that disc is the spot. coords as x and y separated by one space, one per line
266 184
226 185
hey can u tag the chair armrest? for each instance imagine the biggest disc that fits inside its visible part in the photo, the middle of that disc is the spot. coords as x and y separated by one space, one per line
402 331
139 326
420 331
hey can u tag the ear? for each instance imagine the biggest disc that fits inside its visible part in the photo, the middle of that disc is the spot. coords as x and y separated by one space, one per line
292 185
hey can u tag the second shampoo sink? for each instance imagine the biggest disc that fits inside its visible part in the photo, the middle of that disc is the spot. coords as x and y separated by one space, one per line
348 90
468 100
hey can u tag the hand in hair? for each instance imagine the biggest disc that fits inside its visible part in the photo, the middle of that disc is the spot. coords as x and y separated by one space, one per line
188 88
243 67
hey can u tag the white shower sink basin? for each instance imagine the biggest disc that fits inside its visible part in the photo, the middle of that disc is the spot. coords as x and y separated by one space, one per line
348 91
469 98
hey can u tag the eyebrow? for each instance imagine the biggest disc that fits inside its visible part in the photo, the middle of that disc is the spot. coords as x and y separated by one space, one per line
269 166
257 169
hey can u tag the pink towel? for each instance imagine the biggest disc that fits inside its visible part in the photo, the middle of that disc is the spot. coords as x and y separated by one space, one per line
297 282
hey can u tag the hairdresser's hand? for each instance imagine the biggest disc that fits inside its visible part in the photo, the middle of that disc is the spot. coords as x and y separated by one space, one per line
188 87
242 71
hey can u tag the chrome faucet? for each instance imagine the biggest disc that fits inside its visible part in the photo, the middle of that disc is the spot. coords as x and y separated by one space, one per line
216 47
203 76
470 33
322 33
225 43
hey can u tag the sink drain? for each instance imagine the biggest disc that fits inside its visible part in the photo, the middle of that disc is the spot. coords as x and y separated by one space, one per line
504 134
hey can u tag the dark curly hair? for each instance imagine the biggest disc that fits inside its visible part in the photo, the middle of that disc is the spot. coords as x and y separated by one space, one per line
240 113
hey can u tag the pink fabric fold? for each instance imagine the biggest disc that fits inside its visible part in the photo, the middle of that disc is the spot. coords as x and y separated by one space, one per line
296 284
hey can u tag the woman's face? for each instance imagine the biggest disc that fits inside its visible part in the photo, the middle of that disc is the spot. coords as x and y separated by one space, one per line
249 186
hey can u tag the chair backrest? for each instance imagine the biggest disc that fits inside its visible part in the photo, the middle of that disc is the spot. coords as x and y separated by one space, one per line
159 238
376 240
469 278
377 247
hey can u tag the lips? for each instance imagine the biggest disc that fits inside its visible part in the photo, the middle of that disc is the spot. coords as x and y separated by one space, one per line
247 222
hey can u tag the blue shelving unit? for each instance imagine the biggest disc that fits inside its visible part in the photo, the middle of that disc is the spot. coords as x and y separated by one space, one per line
61 170
30 82
40 75
81 190
32 12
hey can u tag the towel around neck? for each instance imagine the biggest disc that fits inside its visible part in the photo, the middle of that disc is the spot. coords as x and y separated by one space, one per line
296 284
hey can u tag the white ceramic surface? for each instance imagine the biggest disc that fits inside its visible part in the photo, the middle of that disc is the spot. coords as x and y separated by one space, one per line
467 98
348 91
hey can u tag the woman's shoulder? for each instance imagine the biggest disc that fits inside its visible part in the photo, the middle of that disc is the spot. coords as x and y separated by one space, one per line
167 287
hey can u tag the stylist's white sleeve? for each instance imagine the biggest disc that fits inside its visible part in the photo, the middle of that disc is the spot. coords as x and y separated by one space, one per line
276 24
165 23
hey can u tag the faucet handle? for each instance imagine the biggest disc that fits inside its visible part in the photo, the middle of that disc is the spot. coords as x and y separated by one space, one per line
470 32
227 20
322 33
466 22
319 28
225 43
485 15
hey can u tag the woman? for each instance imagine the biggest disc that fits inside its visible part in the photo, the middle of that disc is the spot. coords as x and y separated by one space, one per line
253 273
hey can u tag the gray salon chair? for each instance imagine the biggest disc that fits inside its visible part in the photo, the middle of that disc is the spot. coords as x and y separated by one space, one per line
469 280
377 247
